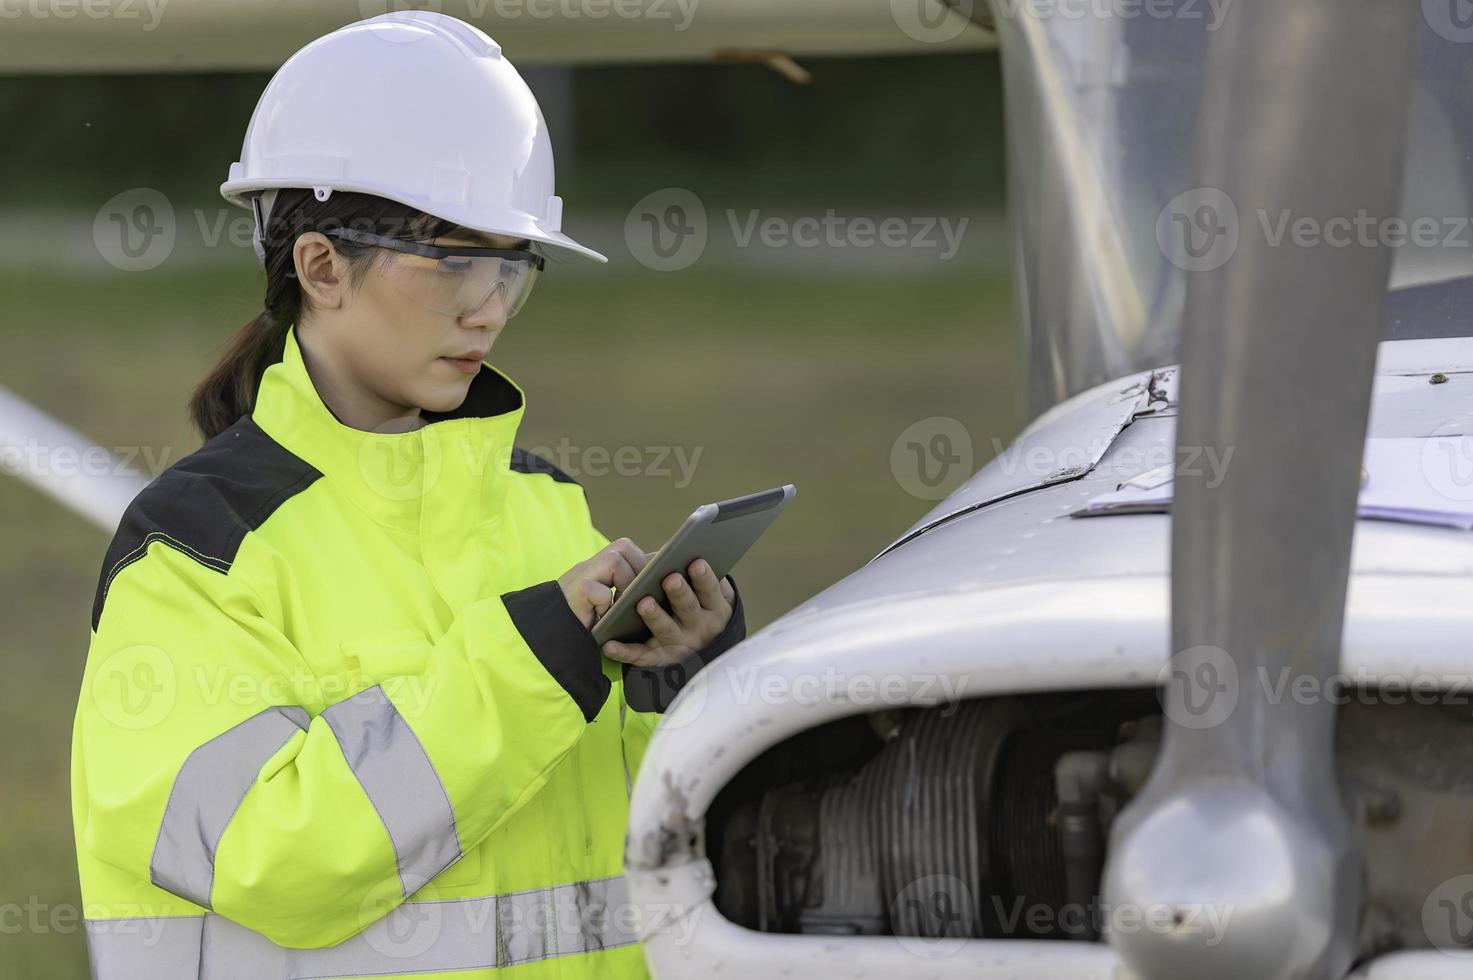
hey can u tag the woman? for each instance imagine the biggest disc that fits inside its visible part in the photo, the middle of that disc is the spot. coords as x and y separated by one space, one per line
342 715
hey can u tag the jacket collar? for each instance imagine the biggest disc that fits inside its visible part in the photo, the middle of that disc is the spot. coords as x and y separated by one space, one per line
455 466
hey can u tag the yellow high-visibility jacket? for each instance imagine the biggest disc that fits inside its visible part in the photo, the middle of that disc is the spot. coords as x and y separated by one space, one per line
337 719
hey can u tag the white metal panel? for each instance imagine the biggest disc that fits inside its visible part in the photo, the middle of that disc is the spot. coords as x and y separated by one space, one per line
1419 965
1445 354
1062 444
1013 596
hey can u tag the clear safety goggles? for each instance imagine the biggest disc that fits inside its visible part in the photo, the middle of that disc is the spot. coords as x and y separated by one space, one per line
457 280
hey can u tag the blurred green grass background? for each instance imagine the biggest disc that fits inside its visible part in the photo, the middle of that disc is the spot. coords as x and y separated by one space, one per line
774 371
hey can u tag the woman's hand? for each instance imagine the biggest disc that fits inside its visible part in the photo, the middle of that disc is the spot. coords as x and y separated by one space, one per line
701 606
587 584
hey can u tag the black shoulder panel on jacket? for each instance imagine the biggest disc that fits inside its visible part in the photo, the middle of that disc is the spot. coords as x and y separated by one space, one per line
523 461
204 504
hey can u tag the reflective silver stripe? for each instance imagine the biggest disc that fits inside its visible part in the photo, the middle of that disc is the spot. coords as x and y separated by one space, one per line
208 790
144 948
401 783
417 937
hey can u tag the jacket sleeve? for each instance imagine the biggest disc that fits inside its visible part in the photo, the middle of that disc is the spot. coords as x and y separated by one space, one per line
219 767
647 692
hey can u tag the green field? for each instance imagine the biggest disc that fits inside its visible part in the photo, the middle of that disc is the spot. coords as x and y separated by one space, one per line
772 379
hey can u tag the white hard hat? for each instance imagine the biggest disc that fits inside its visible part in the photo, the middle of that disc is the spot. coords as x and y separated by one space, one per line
414 106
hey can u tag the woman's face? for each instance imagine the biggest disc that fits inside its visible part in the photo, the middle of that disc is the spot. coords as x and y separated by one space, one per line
384 354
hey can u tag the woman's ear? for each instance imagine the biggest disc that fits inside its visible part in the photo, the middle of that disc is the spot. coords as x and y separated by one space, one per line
322 271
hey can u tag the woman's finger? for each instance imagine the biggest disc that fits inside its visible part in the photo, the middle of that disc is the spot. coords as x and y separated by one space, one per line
634 654
705 584
728 591
683 601
632 552
666 631
614 568
597 595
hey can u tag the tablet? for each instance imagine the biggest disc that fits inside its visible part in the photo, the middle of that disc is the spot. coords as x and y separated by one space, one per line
720 533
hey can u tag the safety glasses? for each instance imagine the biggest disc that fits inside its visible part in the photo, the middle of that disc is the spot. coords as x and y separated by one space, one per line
457 280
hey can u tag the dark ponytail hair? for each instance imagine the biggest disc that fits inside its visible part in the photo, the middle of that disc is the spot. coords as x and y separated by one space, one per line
229 391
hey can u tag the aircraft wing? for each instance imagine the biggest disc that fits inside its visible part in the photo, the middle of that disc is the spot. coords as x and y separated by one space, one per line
105 36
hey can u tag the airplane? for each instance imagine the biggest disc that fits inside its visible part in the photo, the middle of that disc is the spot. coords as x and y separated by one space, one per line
1178 684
